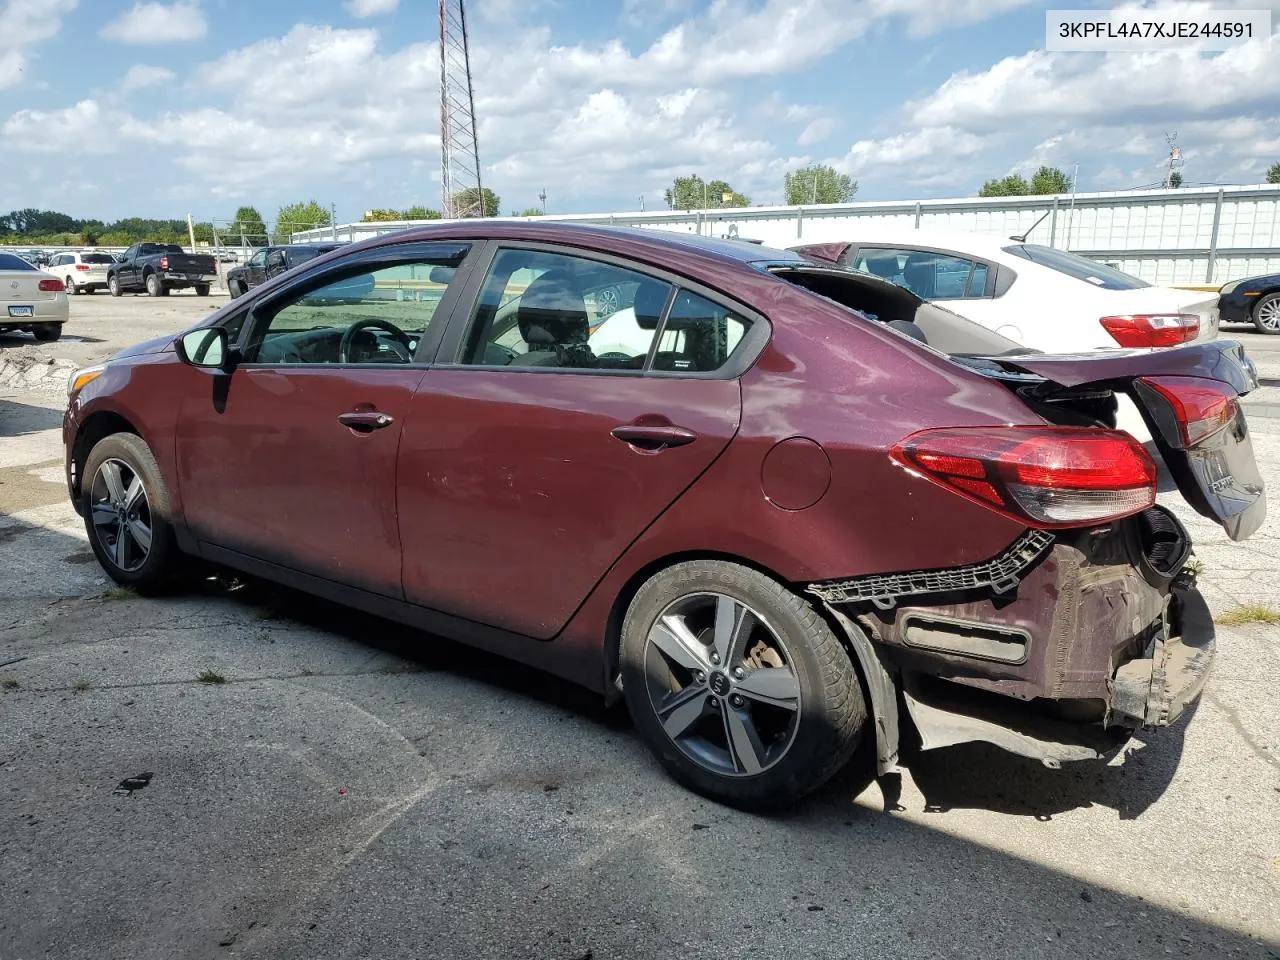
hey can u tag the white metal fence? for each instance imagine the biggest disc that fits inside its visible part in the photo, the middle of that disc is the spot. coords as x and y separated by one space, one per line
1188 236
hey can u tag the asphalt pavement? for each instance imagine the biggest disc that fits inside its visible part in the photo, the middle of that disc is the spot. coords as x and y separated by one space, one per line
354 789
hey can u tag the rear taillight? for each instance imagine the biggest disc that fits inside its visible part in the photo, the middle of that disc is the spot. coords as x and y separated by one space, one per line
52 285
1201 407
1152 329
164 263
82 266
1047 477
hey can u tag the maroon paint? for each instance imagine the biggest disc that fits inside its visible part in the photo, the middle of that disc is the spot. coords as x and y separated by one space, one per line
829 252
513 478
795 474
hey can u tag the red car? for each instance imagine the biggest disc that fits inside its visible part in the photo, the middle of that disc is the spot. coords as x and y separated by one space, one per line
780 505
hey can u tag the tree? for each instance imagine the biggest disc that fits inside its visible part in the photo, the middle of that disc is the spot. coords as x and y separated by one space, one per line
248 222
381 215
693 193
1050 180
818 183
296 217
528 212
466 200
419 212
1011 186
1175 179
1273 173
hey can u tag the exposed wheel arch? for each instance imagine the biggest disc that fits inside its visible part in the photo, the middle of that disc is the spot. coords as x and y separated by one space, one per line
99 425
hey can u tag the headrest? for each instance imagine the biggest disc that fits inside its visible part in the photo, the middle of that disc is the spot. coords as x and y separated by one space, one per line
553 311
883 265
651 297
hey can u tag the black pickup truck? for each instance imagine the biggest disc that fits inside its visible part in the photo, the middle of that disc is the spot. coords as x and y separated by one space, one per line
158 268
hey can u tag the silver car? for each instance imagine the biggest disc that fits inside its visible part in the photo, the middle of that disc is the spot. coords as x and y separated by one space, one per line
31 299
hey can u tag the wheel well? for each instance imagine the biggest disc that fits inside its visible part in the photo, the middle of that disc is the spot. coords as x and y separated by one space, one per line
98 426
1264 293
618 613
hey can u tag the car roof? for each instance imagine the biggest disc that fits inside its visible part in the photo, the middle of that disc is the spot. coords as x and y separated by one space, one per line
977 244
624 240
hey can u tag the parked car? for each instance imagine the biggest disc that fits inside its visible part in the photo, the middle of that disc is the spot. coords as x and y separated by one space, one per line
82 272
267 262
772 527
30 299
158 268
1039 296
1255 300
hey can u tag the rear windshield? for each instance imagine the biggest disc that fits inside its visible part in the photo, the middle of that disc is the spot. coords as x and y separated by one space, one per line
97 258
1082 268
11 261
147 248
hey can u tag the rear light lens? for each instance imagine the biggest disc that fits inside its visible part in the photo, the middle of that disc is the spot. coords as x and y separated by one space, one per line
1048 477
1152 329
164 263
52 285
82 266
1201 407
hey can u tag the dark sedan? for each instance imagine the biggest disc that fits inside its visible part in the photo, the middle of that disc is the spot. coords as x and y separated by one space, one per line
1255 300
772 503
268 262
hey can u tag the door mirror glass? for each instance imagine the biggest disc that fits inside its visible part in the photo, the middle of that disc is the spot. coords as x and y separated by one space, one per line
204 348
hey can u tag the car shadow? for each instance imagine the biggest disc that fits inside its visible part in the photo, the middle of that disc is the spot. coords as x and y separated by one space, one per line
18 419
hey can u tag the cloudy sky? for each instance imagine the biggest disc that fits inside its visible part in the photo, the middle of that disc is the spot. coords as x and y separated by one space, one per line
111 108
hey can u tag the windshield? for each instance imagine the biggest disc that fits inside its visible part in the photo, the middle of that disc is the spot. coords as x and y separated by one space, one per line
1082 268
10 261
97 258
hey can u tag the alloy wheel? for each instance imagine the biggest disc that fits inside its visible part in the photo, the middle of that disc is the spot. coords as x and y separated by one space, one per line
1269 313
606 302
121 514
722 684
71 287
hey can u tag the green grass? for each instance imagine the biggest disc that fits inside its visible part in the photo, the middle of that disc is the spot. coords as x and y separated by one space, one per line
211 676
80 686
116 593
1248 613
10 683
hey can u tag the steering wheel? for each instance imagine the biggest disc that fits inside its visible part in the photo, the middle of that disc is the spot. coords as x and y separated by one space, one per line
344 347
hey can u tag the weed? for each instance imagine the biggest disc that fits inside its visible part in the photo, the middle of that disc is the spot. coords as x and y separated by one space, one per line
113 594
1195 567
80 686
10 683
1249 613
211 676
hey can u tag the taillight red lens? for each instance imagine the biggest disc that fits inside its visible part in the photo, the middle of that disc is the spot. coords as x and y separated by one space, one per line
82 266
1152 329
52 285
1202 407
1047 477
164 263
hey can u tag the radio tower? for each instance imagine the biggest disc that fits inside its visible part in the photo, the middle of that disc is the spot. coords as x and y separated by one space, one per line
460 188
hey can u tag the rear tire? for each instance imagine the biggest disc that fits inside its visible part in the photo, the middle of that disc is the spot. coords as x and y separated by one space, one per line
757 721
155 286
47 333
113 286
202 289
146 557
1266 314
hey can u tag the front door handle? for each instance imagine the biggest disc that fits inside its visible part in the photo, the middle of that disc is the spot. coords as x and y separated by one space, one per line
365 421
653 436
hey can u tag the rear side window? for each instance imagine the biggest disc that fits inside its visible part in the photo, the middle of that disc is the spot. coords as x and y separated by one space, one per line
9 261
699 335
1081 268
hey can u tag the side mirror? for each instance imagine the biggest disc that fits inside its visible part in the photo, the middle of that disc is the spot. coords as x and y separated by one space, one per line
207 348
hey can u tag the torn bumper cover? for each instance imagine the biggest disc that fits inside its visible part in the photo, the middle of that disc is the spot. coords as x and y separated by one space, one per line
1154 690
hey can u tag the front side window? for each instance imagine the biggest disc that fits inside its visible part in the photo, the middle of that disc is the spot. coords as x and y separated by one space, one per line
539 309
377 316
930 276
258 259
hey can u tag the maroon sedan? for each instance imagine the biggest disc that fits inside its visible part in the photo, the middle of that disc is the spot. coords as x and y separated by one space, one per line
772 503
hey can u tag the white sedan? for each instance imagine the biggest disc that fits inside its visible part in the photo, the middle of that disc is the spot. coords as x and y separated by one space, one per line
30 299
1039 296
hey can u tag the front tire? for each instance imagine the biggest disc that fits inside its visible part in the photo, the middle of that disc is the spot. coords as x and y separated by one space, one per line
70 284
1266 314
738 685
126 508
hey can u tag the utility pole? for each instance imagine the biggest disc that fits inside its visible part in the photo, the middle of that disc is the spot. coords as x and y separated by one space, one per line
333 222
462 194
1071 209
1175 158
642 203
191 232
542 196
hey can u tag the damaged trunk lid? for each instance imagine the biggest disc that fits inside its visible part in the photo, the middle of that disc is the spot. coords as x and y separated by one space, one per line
1189 398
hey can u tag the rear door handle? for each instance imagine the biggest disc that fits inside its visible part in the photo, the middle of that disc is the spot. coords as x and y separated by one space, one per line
653 437
365 421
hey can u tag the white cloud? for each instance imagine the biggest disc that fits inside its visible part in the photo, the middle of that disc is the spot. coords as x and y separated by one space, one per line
141 75
816 131
927 17
12 64
82 128
370 8
145 23
23 24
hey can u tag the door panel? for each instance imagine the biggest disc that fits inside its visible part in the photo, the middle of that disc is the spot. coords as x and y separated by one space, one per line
515 496
271 471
